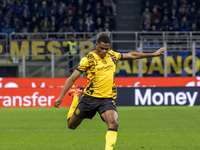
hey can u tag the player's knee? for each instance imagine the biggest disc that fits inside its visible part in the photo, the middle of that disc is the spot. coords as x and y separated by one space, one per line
113 124
71 126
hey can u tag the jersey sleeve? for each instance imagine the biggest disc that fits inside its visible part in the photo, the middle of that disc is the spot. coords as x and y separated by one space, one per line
117 55
83 65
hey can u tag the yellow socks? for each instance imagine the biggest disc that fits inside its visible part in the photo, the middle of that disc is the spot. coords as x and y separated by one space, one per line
73 106
111 138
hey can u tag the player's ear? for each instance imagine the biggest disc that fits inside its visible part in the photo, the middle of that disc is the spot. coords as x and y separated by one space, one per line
97 44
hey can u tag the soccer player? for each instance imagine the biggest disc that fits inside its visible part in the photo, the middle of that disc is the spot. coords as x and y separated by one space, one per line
100 92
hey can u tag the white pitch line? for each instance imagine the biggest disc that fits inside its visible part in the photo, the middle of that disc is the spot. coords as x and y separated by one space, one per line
20 130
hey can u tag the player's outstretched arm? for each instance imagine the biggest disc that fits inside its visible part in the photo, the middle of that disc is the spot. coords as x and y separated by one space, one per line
68 84
138 55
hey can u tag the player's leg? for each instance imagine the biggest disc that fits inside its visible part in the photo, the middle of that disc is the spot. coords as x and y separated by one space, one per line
75 94
84 109
72 120
73 106
111 119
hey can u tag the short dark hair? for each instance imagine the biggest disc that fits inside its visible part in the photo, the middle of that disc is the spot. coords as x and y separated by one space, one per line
103 38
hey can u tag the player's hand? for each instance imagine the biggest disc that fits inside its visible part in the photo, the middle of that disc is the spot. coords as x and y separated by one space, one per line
58 102
160 51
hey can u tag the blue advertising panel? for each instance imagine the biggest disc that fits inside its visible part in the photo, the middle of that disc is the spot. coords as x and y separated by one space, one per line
178 64
158 96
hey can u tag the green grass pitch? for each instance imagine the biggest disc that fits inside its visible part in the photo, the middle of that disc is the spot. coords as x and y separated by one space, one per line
140 128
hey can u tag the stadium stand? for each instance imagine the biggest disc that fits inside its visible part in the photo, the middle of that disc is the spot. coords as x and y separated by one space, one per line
176 15
57 16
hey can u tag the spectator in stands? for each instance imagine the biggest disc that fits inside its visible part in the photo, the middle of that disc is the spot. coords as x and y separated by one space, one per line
79 27
153 28
7 29
146 12
98 6
71 24
106 27
60 34
173 16
18 8
164 7
165 23
147 21
16 21
11 5
5 21
9 17
17 29
64 25
98 13
34 9
88 10
193 27
33 24
79 14
71 29
71 8
89 35
194 4
175 26
43 10
175 5
182 13
25 19
183 4
147 27
111 22
25 5
61 5
166 27
35 35
52 13
17 25
100 30
166 13
45 24
184 25
70 17
23 36
53 23
192 16
146 4
80 5
61 16
156 15
55 8
89 24
52 32
98 24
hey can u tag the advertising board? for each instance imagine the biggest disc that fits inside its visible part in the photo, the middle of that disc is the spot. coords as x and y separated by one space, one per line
42 92
158 96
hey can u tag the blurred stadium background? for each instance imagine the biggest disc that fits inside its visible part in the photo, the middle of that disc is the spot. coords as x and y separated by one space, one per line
42 42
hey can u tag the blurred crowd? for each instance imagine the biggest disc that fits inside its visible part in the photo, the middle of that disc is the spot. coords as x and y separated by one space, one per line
21 16
170 15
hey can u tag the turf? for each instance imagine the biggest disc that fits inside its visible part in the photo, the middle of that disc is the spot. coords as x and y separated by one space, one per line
140 128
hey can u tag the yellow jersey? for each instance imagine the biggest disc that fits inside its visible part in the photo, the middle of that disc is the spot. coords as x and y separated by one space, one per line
100 74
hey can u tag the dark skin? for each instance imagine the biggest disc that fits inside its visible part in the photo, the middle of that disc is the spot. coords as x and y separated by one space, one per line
109 116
